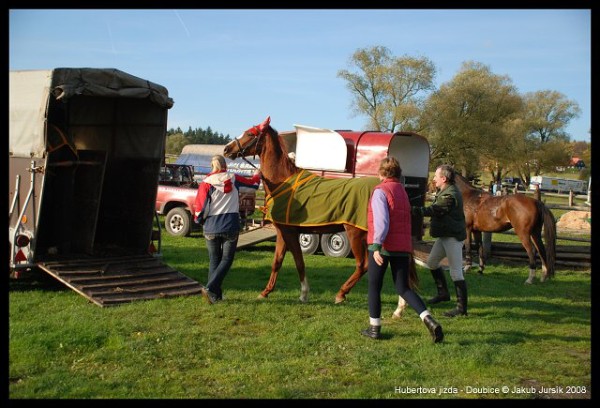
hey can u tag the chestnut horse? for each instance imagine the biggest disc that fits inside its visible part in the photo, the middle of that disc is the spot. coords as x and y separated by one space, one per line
485 212
276 167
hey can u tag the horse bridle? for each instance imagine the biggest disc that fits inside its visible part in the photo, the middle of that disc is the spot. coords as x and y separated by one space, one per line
257 133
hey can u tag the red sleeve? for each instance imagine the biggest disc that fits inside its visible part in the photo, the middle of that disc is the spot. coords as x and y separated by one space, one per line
201 195
255 179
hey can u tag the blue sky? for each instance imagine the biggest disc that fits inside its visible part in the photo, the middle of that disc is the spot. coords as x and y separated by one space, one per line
229 69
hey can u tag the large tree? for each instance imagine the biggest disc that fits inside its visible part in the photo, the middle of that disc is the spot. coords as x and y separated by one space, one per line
389 90
545 117
469 120
547 114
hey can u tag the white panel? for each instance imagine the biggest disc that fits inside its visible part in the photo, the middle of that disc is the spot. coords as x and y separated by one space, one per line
412 153
28 97
320 149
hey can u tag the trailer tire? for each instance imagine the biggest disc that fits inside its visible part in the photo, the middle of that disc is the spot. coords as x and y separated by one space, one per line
309 243
178 222
336 245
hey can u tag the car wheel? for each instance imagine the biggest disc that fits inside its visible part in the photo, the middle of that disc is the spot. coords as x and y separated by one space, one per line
336 245
309 243
178 222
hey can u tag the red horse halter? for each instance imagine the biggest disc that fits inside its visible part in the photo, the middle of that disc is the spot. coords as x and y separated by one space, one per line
257 132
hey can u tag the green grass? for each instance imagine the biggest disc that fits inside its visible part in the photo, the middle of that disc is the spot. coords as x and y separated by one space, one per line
516 335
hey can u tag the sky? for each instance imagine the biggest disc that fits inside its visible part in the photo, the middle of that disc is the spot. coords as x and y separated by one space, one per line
230 69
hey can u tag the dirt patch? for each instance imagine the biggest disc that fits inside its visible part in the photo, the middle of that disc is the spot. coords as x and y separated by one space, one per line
580 221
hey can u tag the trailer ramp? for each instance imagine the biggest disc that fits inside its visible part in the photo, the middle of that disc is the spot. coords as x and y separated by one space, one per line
113 281
256 235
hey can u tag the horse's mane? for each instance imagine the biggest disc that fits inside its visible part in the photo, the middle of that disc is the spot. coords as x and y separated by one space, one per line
279 149
459 178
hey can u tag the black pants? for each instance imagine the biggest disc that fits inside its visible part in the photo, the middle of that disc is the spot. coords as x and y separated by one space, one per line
399 266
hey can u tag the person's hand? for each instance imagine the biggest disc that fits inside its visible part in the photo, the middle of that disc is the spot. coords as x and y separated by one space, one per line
378 258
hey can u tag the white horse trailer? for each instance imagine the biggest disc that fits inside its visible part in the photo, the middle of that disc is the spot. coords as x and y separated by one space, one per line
558 185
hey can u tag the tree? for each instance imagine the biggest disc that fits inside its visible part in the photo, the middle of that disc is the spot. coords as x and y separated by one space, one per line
544 144
174 143
470 119
586 156
579 148
176 138
389 90
547 114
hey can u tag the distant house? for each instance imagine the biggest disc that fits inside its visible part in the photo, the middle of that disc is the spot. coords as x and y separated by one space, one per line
577 163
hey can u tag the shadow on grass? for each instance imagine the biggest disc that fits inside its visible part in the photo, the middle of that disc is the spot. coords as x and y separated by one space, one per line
36 279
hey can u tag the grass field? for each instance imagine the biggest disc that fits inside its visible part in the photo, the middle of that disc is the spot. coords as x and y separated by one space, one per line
518 342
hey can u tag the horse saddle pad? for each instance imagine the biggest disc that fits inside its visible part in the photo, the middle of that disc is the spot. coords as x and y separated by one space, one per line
306 199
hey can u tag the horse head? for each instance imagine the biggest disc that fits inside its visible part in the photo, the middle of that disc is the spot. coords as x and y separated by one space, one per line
249 143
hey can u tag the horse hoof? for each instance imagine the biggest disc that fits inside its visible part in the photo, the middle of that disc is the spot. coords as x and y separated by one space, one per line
396 316
261 297
303 299
528 282
339 300
480 271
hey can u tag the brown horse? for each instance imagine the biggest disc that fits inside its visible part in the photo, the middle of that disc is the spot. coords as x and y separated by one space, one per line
485 212
276 167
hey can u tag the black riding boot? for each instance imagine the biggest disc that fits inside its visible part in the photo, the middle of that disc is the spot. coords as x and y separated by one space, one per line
434 328
442 287
372 332
461 296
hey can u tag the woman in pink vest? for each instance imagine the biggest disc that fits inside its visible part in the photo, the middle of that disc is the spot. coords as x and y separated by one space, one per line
389 239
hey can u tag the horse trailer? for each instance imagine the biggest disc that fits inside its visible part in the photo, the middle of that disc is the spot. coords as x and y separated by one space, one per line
85 149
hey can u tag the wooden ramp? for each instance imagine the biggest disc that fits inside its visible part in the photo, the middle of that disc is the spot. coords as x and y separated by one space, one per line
256 235
113 281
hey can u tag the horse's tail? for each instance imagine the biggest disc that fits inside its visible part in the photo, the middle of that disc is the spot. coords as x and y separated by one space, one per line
549 236
413 277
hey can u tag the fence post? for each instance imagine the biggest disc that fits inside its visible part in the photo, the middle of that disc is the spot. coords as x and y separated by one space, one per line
571 198
589 194
486 239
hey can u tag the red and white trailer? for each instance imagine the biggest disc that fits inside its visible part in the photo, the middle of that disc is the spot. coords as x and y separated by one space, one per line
348 154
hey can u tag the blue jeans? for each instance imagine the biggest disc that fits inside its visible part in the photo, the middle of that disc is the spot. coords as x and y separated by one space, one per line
221 250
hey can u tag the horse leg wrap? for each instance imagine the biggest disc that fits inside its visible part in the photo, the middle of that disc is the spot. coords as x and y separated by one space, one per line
304 289
544 274
400 309
529 280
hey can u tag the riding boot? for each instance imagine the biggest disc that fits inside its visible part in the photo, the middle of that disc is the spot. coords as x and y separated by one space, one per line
461 296
373 332
434 328
442 287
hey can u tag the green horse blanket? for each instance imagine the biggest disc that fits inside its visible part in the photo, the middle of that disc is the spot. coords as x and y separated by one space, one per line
306 199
